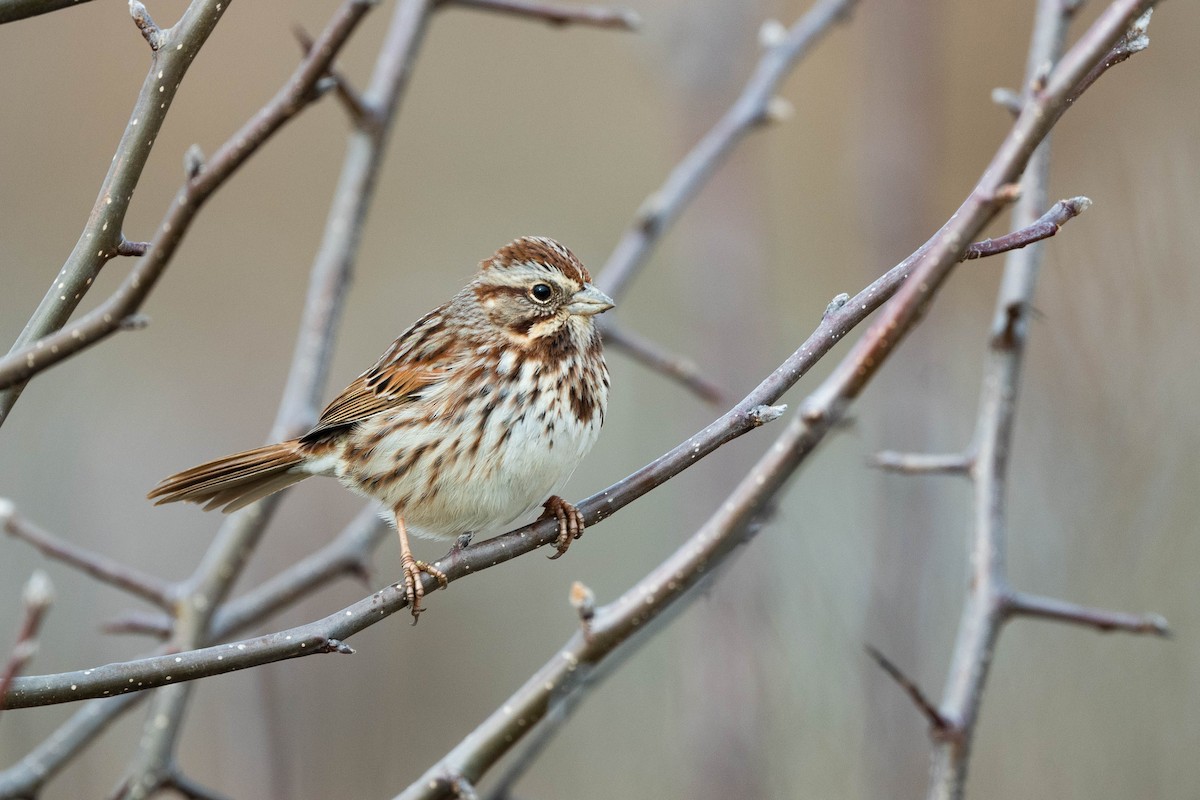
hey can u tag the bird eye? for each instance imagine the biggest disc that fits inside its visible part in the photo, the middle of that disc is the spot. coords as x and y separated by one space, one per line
541 292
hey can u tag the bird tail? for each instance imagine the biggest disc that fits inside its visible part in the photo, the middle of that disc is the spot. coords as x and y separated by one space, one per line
234 481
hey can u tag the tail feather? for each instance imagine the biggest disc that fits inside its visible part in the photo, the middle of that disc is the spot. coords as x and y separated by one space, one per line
234 481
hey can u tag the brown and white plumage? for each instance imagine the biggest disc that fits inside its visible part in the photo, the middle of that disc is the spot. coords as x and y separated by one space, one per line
474 416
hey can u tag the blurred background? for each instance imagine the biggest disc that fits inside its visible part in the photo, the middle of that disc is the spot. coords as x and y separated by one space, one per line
762 688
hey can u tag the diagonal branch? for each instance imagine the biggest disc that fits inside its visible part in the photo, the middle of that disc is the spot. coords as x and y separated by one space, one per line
937 723
100 567
13 10
1022 604
748 112
678 368
36 600
595 16
31 355
100 240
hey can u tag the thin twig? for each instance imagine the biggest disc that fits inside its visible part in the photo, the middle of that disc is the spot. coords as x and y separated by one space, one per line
679 368
1042 228
706 550
1022 604
206 590
924 463
937 723
36 599
751 108
31 357
989 600
751 412
594 16
100 567
101 236
13 10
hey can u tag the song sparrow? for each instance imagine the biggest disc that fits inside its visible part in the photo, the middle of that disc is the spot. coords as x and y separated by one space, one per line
472 418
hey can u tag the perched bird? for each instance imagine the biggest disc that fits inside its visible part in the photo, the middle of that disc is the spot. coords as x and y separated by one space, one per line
476 415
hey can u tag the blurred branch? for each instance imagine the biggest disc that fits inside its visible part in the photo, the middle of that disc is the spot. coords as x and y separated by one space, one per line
103 232
990 600
100 567
30 357
26 777
36 599
204 593
937 723
1021 604
749 111
753 411
676 367
13 10
595 16
708 548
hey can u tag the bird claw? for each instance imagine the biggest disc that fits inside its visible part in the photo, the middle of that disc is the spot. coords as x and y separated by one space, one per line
570 523
414 587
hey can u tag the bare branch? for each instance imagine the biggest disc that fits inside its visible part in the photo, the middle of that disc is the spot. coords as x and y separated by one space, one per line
1050 90
924 463
100 567
679 368
36 599
189 788
139 622
937 723
1043 228
30 357
350 99
150 31
752 108
26 777
99 241
13 10
1021 604
594 16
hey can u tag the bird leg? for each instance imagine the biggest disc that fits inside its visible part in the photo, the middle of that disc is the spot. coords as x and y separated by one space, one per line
570 522
414 587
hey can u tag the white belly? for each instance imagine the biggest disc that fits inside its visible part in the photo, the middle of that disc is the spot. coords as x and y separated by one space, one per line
527 449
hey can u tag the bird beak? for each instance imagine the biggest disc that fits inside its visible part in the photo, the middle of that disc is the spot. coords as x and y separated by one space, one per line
588 301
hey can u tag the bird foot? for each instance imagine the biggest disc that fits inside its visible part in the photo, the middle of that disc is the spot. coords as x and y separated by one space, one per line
414 587
570 523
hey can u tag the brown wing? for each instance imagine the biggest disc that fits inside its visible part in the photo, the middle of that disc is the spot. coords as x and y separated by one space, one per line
421 357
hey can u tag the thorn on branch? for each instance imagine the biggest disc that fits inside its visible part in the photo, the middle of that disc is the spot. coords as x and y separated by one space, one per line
938 724
150 31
